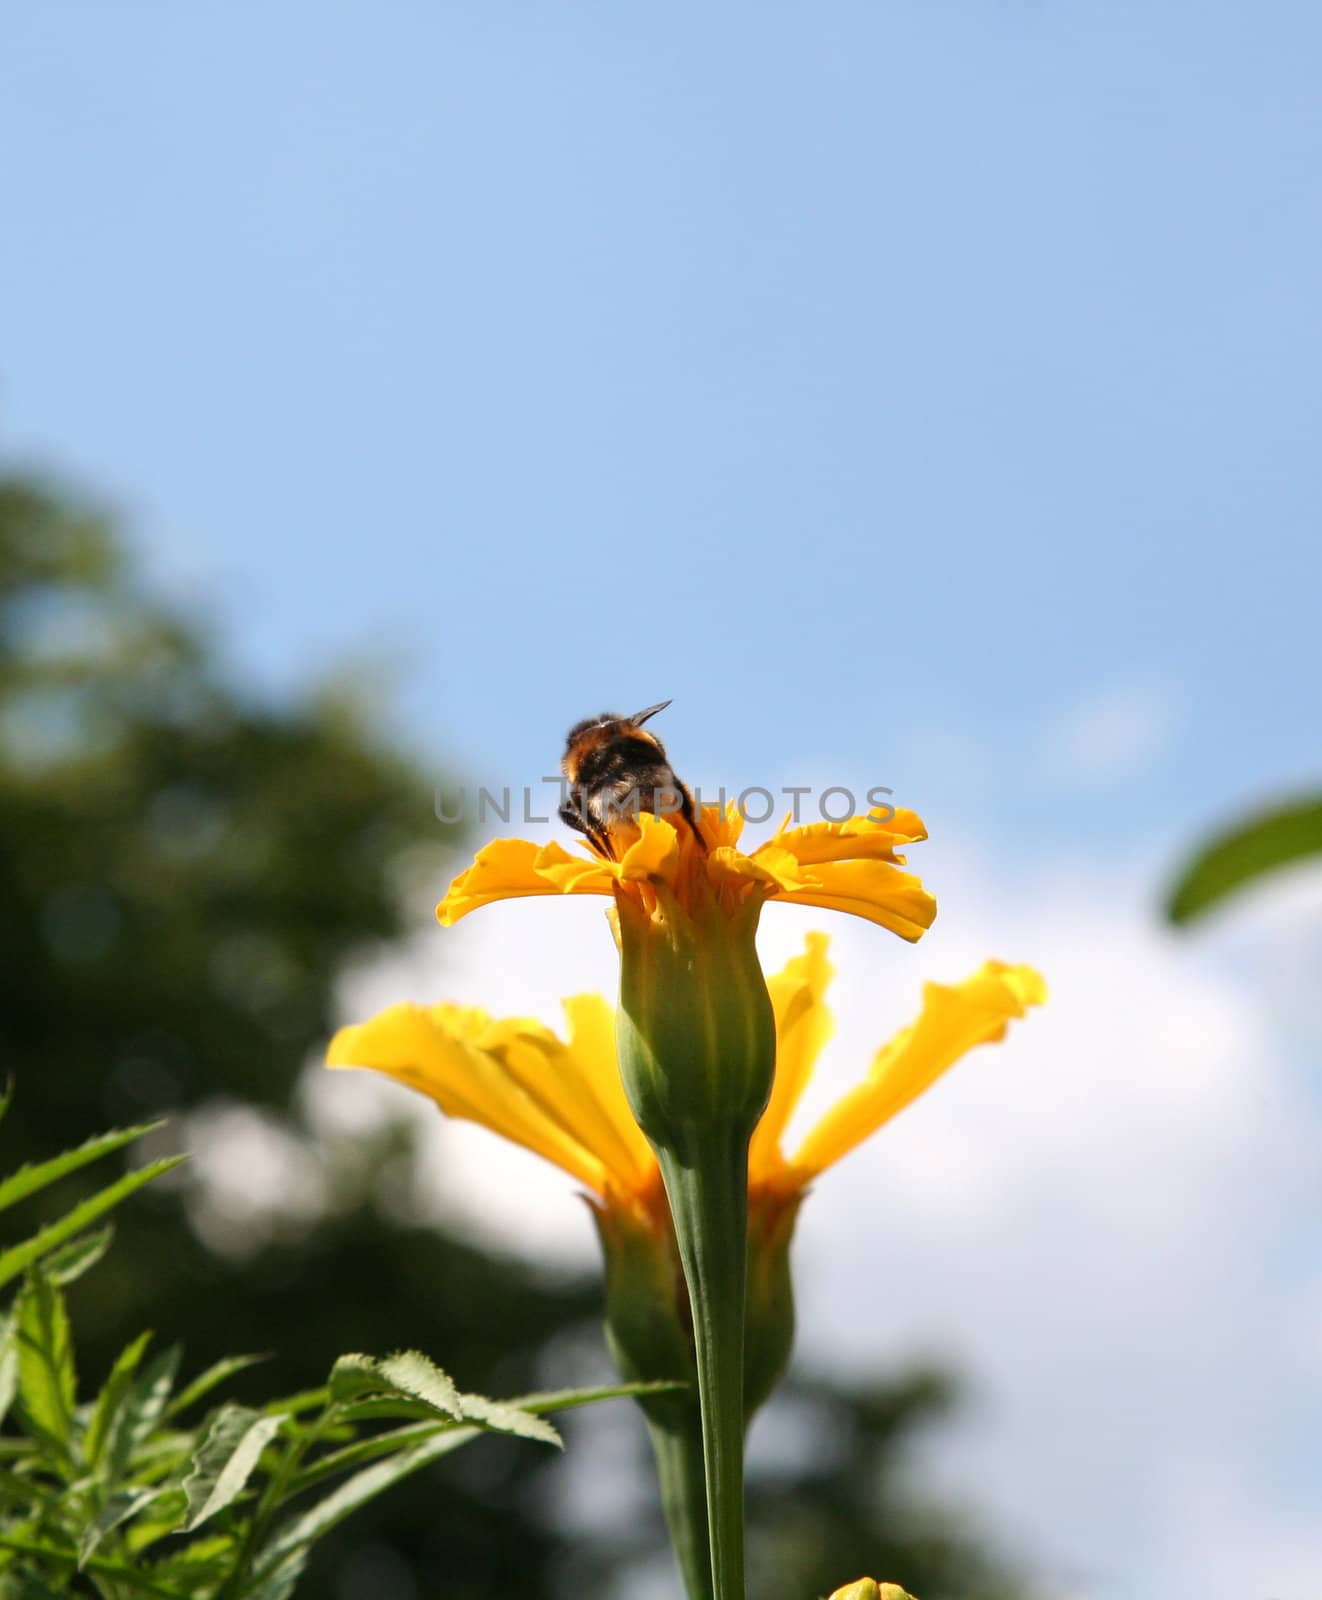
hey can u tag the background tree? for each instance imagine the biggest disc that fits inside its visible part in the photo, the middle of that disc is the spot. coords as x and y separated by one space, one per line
183 872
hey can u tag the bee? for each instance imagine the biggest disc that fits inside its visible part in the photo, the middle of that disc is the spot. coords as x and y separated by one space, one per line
615 769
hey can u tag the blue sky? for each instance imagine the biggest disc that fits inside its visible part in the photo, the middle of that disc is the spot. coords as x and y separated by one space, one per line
919 395
847 373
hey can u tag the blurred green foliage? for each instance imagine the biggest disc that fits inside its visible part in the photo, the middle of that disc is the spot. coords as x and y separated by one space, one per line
132 1493
1250 848
184 870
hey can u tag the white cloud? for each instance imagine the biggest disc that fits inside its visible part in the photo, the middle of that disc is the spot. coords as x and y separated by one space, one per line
1114 733
1101 1222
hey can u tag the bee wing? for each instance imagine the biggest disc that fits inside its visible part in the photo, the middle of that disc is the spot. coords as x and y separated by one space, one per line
640 717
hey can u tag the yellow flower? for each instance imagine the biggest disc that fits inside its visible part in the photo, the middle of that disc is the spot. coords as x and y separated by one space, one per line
844 866
869 1589
562 1098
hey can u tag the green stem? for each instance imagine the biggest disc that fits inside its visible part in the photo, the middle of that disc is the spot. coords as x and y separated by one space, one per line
679 1466
706 1181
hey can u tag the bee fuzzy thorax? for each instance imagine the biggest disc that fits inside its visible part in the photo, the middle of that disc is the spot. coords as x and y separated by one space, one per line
616 768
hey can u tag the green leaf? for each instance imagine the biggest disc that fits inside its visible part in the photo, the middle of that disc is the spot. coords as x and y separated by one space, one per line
119 1507
6 1098
8 1365
125 1577
304 1400
1244 852
408 1373
304 1530
566 1399
69 1262
363 1451
21 1256
381 1408
213 1550
36 1175
46 1381
278 1584
422 1428
225 1460
212 1378
23 1491
166 1515
130 1427
110 1402
505 1418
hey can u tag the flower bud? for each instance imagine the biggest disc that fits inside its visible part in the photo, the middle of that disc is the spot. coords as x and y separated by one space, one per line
769 1307
649 1327
867 1589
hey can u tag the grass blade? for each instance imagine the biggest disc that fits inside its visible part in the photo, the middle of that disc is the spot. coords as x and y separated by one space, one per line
212 1378
21 1256
36 1175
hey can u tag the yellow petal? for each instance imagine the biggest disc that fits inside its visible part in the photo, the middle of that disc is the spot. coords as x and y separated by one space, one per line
873 889
953 1020
473 1069
654 854
803 1025
767 864
857 837
618 1139
502 870
570 874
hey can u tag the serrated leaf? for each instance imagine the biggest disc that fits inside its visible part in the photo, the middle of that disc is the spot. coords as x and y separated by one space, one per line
36 1175
1244 852
20 1257
212 1378
69 1262
411 1373
46 1380
144 1407
119 1507
225 1460
504 1418
304 1530
408 1373
110 1402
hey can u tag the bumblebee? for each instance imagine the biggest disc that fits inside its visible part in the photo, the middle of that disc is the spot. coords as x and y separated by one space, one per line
615 769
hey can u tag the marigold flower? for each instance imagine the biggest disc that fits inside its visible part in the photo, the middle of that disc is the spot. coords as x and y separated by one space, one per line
562 1099
695 1058
849 866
